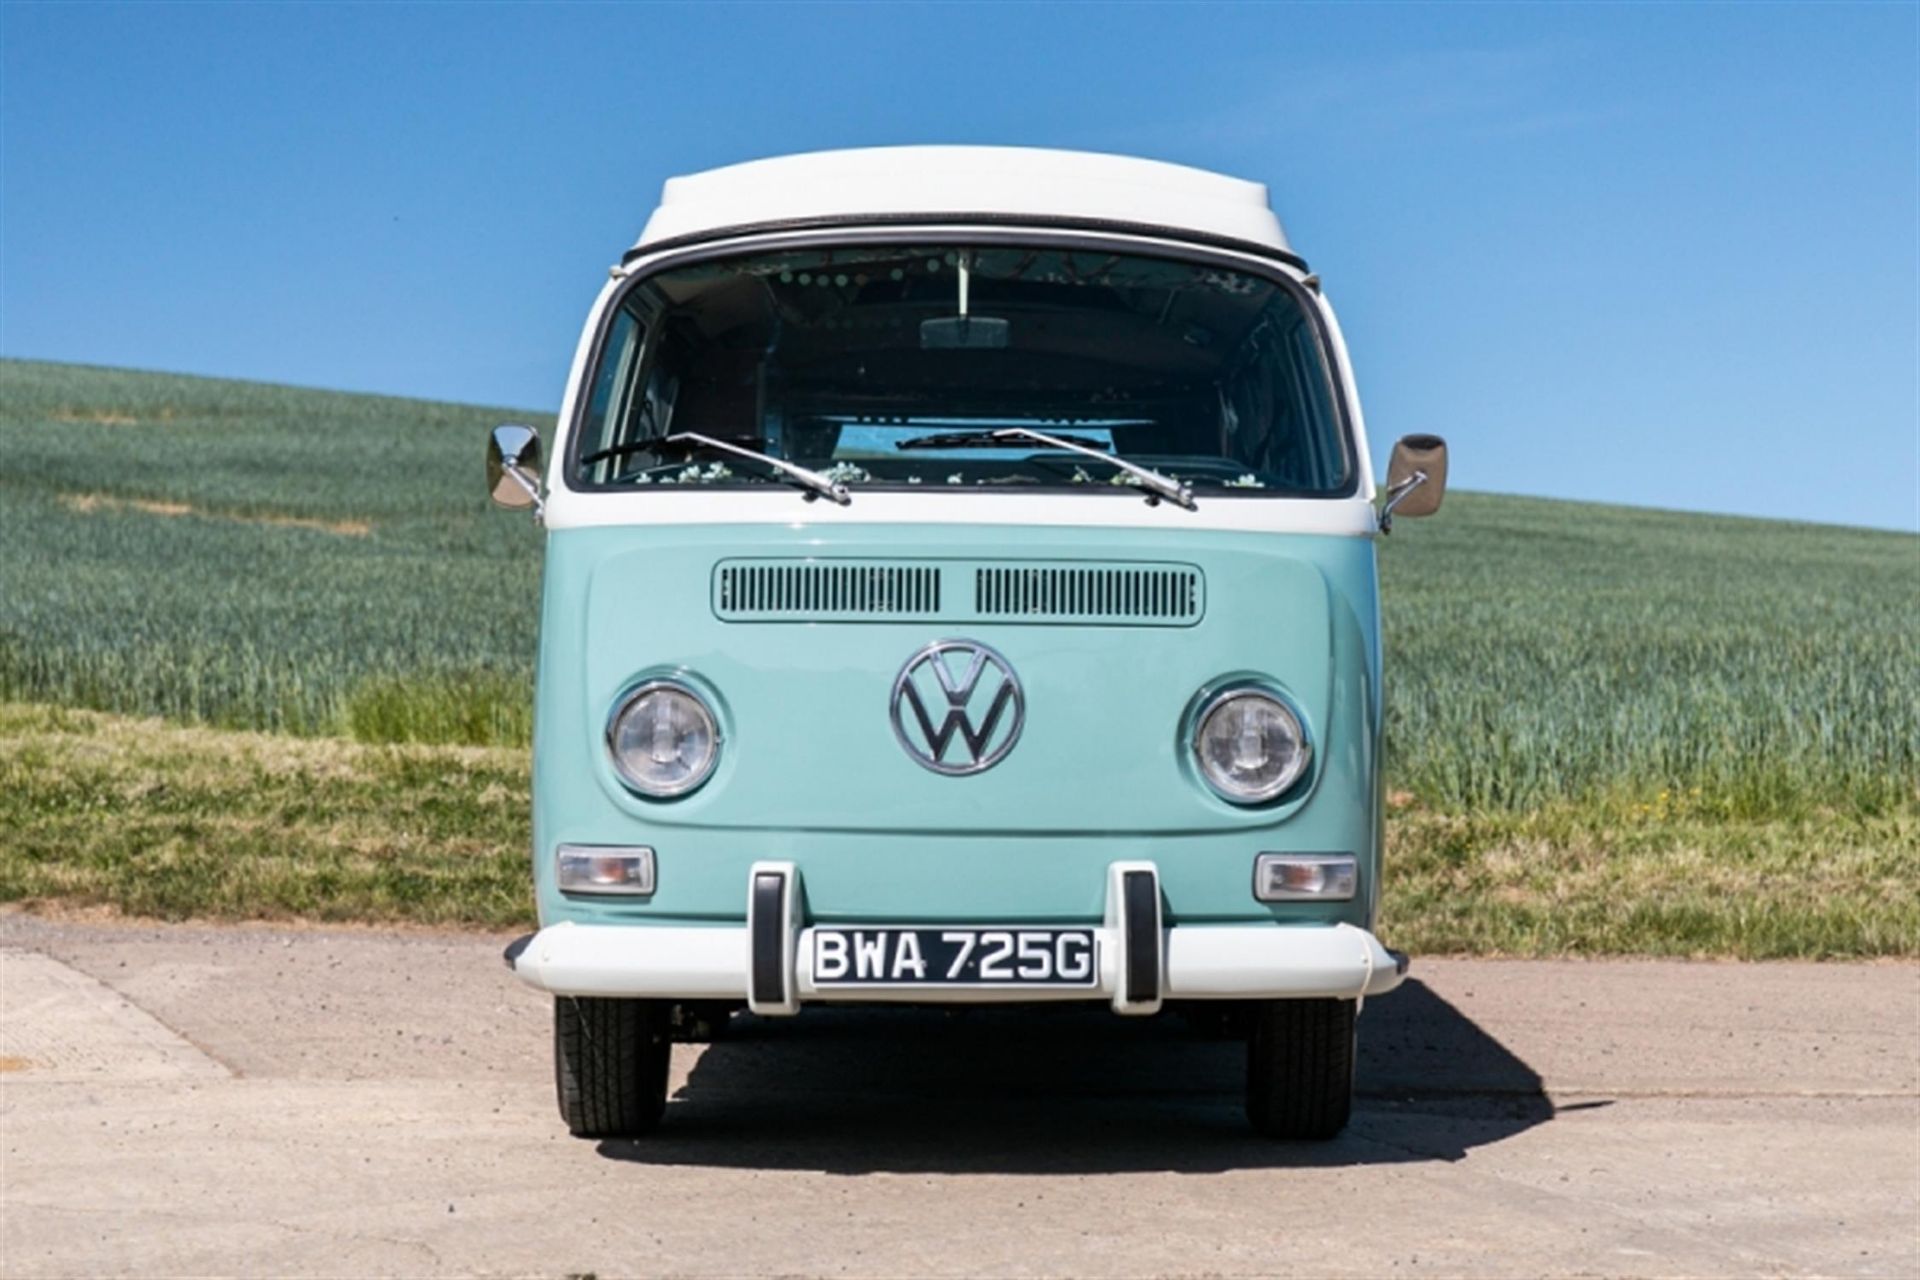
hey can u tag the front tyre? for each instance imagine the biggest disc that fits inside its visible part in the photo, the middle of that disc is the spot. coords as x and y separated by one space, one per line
610 1064
1300 1056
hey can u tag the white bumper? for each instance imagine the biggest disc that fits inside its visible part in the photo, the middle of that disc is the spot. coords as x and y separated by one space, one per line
1140 962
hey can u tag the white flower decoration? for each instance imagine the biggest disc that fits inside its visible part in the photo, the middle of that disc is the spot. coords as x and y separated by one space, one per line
847 473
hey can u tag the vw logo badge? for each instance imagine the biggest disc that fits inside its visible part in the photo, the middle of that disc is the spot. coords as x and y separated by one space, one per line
957 707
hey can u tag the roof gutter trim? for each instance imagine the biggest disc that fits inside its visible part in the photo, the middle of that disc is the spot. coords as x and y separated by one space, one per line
826 222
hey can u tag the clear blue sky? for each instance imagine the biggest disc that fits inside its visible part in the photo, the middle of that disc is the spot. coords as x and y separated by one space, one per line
1665 255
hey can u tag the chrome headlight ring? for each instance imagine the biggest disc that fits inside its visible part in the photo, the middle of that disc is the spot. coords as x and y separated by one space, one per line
1250 744
663 739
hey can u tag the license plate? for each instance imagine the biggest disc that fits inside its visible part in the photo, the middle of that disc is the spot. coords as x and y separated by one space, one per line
963 957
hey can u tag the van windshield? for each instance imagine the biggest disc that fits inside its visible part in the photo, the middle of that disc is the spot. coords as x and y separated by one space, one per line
887 366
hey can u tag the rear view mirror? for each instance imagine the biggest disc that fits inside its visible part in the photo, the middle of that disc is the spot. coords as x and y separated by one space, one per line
1416 478
513 467
964 333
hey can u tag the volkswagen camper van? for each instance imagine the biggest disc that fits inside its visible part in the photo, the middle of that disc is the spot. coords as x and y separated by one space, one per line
959 588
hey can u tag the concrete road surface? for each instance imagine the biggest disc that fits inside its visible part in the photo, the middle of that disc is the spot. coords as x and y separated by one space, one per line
205 1101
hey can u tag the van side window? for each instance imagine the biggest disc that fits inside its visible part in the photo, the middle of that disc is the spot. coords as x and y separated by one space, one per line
612 381
1271 401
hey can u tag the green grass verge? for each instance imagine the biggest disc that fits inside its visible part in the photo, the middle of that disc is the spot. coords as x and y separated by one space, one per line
157 819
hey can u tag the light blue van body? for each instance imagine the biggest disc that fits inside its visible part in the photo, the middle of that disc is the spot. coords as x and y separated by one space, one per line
960 607
810 771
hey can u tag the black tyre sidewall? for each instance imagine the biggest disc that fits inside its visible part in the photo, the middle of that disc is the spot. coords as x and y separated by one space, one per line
610 1061
1300 1063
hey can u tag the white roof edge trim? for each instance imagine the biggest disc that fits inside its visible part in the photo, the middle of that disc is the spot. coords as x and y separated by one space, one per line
960 181
1345 517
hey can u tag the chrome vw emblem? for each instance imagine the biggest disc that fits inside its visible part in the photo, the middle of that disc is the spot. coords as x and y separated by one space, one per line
976 697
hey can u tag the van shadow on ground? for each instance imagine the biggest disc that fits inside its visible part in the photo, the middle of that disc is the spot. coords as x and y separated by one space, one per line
1052 1091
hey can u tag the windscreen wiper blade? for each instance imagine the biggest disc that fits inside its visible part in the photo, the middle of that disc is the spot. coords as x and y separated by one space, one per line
1159 486
950 440
649 445
798 475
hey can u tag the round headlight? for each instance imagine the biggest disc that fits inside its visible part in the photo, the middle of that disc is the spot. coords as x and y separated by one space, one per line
663 739
1250 746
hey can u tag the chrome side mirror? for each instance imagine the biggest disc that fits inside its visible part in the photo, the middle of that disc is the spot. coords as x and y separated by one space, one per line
1416 478
513 468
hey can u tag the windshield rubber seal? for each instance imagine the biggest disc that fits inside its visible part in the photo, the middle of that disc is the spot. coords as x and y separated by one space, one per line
974 229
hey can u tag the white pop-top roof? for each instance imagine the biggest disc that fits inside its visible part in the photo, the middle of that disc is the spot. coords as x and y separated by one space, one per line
997 181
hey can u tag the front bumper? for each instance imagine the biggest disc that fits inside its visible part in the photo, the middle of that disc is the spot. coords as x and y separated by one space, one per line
1141 962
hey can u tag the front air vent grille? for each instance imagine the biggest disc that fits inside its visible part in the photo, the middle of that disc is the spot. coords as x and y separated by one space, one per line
825 589
1169 595
1057 592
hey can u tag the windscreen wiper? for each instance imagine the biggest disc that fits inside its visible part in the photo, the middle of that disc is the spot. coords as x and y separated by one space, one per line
812 481
798 475
649 445
1160 486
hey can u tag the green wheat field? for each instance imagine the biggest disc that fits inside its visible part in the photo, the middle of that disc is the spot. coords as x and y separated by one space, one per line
267 652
